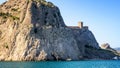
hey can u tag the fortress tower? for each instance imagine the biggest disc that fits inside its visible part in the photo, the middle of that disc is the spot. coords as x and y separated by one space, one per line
80 24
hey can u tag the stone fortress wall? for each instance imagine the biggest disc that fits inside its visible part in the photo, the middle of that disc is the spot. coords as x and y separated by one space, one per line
80 26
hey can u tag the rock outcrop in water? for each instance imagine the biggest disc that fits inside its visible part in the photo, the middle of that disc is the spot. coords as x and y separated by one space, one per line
35 30
106 46
117 49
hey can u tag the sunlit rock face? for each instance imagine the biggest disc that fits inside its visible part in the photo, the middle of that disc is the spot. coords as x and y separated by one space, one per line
33 30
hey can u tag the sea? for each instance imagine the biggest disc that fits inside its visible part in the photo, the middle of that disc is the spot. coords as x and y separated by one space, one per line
63 64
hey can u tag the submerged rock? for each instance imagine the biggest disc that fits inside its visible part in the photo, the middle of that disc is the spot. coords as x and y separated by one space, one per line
34 30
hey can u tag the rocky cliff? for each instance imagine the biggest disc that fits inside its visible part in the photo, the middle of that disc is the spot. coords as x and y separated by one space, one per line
35 30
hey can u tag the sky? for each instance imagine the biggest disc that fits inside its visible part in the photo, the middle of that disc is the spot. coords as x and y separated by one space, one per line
102 17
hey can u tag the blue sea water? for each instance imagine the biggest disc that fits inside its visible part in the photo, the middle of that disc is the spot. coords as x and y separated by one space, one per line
62 64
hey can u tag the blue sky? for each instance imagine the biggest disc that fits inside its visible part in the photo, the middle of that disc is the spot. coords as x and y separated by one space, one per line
102 17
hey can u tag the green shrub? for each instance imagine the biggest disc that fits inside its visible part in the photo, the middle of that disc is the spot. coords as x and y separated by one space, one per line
15 18
6 45
5 15
14 9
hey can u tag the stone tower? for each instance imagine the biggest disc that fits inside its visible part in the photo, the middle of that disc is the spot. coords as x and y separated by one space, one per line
80 24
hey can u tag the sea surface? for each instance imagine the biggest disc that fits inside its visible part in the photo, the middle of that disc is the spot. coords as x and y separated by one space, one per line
62 64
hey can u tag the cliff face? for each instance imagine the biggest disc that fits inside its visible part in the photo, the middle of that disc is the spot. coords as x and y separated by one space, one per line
35 30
